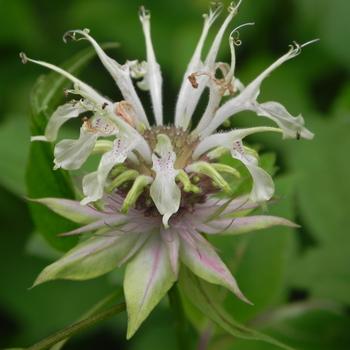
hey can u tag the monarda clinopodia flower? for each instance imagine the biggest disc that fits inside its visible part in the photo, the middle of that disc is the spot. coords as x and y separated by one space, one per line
160 191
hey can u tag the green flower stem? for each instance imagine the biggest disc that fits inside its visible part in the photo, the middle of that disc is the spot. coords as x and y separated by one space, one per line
181 324
77 327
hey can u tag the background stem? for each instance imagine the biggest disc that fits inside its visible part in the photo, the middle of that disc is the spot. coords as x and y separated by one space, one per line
181 324
77 327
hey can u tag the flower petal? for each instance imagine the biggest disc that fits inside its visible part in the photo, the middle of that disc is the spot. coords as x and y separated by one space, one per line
108 222
59 117
154 76
164 190
263 186
246 224
212 106
91 258
199 256
293 127
93 183
72 210
172 242
148 277
227 139
72 154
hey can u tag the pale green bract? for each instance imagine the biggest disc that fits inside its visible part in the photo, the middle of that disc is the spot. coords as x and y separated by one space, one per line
156 189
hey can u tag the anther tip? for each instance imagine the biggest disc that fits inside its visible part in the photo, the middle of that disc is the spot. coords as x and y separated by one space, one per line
72 35
144 13
23 57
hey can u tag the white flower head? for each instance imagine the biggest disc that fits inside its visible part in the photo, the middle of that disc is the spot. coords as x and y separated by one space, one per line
155 190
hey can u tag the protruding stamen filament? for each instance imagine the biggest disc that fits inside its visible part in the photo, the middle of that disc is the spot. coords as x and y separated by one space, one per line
128 175
135 191
186 182
217 152
118 169
208 170
224 168
102 146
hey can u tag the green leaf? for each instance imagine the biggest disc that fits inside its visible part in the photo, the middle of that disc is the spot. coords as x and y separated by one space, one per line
324 271
323 182
101 305
14 142
77 327
42 180
207 299
260 260
306 326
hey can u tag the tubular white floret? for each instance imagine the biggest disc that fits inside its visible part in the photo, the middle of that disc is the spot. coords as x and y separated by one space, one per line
194 65
97 99
247 98
119 73
209 65
215 94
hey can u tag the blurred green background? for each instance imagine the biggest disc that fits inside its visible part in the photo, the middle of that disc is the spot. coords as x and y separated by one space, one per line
299 280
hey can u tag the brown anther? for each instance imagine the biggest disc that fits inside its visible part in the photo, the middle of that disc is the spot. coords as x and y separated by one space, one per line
123 110
222 84
87 124
104 105
193 80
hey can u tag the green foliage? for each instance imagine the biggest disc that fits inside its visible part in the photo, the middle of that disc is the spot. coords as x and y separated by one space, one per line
206 298
14 154
324 268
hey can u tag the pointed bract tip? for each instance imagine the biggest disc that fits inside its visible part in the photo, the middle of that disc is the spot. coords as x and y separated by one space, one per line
240 295
39 280
23 57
